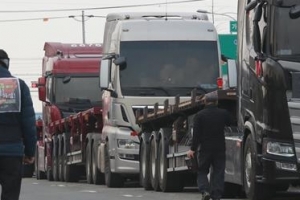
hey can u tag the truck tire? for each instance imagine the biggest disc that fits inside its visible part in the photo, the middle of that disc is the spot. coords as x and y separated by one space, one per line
144 163
253 189
282 187
232 190
172 181
111 179
98 177
55 159
49 174
88 163
60 158
70 171
38 174
154 165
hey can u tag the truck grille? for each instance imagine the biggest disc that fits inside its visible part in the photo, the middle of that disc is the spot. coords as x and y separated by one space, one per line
294 109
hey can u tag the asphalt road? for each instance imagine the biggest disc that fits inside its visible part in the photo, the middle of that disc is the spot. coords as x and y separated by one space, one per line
33 189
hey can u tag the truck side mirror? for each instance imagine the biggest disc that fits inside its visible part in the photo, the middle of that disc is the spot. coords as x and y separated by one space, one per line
121 62
295 12
105 71
251 6
232 73
42 89
256 30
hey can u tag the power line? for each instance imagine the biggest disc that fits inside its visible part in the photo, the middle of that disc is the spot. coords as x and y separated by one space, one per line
97 8
32 19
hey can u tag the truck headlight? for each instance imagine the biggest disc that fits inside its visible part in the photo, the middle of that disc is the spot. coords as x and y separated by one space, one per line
280 149
127 144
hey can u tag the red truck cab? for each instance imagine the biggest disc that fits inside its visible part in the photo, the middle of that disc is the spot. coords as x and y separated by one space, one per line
69 84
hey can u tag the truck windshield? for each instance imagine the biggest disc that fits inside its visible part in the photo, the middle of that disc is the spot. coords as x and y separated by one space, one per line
167 68
82 89
286 34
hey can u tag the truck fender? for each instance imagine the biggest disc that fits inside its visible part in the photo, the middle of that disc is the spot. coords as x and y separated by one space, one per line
101 149
249 126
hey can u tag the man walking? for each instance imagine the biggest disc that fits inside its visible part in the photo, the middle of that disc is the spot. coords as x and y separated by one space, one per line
209 140
17 130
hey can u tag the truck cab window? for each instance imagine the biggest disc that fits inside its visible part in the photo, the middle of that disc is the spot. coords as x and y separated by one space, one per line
285 34
179 66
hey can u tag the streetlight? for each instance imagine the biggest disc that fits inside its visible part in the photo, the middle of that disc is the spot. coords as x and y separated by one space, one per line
213 13
83 23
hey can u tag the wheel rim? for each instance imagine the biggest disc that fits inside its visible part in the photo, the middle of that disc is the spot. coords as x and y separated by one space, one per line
88 166
153 158
55 168
94 169
143 161
65 169
248 166
162 163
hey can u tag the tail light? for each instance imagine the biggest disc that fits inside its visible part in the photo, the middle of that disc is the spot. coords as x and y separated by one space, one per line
220 82
258 68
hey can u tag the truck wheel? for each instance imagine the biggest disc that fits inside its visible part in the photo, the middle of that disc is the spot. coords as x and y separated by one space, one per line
70 171
98 177
60 158
253 189
111 179
39 174
144 163
232 190
88 163
172 181
282 187
49 174
154 164
55 159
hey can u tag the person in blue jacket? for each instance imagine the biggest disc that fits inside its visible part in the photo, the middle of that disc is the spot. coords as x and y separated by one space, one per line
17 130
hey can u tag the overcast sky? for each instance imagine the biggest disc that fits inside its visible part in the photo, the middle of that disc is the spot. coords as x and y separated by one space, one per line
24 32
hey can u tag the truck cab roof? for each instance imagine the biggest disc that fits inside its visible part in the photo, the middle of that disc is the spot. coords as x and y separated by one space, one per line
156 15
53 49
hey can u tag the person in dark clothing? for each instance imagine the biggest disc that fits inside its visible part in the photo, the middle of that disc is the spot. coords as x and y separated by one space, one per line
209 142
17 130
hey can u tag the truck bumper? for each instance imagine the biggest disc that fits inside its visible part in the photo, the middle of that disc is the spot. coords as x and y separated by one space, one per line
275 171
124 152
126 161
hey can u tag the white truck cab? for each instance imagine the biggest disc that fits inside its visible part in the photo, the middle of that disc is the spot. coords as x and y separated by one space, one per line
149 57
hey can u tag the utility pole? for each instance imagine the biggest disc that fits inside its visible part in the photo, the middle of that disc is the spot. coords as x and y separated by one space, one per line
212 11
83 27
83 19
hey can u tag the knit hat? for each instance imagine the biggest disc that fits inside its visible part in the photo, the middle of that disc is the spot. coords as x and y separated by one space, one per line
211 97
4 59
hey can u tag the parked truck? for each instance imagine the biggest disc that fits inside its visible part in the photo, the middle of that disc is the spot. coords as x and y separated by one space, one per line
72 112
262 148
147 58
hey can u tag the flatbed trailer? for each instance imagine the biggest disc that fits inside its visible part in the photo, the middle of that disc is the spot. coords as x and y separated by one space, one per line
74 141
166 137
